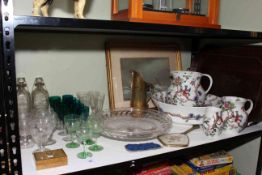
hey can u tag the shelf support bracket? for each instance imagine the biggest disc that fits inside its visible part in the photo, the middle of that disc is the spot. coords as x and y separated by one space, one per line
8 93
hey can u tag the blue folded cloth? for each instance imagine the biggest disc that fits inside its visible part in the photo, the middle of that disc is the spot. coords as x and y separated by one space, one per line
142 146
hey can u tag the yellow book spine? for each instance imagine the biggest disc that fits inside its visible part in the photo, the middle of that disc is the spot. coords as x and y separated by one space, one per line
219 171
186 168
177 170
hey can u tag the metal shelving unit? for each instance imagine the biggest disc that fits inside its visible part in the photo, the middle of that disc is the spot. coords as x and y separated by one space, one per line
9 119
10 160
52 24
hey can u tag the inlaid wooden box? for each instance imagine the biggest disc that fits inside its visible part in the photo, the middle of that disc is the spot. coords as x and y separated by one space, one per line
50 159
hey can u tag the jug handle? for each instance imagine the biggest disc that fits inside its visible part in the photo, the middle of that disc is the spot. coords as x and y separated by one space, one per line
250 107
210 82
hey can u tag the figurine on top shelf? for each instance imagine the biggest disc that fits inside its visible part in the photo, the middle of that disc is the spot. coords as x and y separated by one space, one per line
40 8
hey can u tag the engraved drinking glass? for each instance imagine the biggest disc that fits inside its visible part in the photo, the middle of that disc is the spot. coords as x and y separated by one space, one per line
83 134
41 128
72 124
24 132
96 101
96 129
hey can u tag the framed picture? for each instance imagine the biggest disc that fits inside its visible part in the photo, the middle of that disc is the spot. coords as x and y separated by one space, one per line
153 61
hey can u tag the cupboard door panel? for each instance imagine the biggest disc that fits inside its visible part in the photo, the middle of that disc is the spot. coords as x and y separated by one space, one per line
236 71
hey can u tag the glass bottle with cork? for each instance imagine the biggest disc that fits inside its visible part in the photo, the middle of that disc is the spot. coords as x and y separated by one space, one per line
24 108
23 96
40 95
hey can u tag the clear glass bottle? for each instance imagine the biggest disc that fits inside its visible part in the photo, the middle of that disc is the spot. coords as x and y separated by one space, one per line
24 108
23 97
40 95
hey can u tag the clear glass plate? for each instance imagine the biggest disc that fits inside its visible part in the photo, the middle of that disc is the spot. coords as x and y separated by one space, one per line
134 124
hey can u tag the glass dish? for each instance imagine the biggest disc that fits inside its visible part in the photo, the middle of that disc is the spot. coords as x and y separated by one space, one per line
134 124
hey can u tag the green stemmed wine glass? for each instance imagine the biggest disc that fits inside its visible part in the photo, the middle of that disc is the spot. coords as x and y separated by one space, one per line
83 134
72 123
96 129
84 122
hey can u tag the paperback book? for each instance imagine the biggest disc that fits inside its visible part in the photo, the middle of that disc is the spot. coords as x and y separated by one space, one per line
221 157
185 169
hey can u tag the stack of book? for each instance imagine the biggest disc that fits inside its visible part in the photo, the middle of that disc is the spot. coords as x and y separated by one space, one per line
219 163
156 168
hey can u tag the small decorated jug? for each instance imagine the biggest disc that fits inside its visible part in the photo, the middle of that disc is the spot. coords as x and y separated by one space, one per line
235 115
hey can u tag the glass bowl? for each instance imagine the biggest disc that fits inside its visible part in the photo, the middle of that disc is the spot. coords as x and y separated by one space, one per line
132 124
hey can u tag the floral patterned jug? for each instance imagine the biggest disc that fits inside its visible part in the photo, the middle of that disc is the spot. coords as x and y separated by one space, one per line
184 87
213 121
235 116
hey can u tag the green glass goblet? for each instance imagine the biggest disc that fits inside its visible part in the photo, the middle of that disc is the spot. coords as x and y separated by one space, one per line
83 134
72 124
84 122
96 130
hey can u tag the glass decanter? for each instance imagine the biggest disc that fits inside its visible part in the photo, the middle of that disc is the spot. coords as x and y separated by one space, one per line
40 95
23 96
24 108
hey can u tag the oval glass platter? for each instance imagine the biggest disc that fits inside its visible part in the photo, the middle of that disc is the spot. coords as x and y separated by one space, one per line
134 124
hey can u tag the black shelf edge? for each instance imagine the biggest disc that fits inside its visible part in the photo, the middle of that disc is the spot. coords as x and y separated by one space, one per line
226 144
54 24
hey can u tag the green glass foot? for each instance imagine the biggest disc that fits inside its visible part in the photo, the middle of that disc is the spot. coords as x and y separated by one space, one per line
89 142
72 145
84 155
95 148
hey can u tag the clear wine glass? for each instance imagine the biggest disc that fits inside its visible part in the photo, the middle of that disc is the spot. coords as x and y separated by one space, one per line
96 100
94 124
100 98
55 104
83 134
24 131
83 97
93 99
84 116
41 128
54 119
72 124
47 113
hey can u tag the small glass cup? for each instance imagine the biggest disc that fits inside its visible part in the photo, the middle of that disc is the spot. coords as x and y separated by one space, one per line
68 100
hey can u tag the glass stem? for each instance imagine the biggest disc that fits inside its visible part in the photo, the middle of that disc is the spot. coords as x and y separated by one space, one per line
72 137
84 147
41 146
25 139
95 140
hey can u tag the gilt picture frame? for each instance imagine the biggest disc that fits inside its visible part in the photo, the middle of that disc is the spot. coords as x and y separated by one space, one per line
153 61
